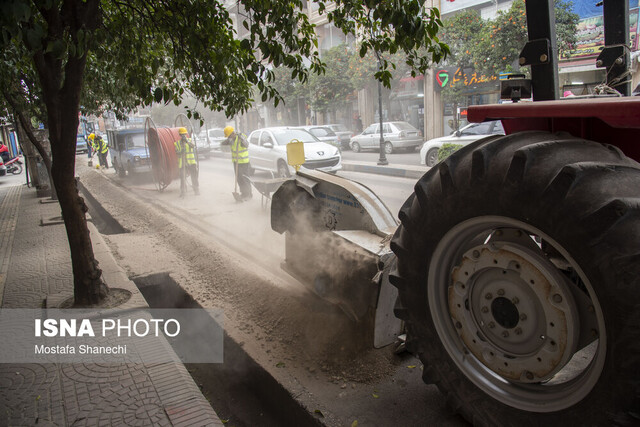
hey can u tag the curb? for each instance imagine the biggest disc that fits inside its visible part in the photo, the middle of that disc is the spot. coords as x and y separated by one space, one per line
399 172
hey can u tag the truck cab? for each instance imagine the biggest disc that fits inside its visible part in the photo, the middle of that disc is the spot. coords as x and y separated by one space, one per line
129 154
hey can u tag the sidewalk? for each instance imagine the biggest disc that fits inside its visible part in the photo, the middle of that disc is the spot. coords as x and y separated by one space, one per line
35 272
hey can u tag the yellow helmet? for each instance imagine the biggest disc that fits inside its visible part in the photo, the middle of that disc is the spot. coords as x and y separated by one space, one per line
228 131
182 131
92 136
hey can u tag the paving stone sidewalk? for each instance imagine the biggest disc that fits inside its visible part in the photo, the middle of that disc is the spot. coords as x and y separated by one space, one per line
35 271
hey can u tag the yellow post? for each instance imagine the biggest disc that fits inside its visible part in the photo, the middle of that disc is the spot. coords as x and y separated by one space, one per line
295 153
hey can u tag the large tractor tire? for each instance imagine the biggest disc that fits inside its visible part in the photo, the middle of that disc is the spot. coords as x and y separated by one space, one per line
519 276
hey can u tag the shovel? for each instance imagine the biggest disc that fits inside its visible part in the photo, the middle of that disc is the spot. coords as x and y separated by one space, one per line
235 193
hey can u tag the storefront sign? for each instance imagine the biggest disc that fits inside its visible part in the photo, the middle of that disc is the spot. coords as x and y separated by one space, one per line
448 6
467 77
590 30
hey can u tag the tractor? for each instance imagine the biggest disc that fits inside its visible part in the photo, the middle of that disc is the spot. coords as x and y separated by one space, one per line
515 269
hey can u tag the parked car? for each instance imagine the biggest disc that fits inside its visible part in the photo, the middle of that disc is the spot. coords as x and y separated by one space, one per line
397 135
465 136
268 151
208 141
324 134
81 144
344 135
203 145
128 152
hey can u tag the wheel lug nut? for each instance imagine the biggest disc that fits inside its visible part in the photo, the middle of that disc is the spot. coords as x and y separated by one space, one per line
515 300
476 254
492 325
485 309
528 375
488 296
500 292
518 331
505 334
523 316
458 325
557 298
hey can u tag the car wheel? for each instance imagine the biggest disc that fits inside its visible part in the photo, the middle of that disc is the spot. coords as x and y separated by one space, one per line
355 147
431 158
388 148
120 170
283 169
517 257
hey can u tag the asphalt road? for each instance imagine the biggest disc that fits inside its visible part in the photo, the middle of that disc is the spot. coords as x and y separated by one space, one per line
244 229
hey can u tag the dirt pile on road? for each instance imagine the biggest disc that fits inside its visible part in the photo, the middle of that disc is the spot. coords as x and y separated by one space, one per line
287 323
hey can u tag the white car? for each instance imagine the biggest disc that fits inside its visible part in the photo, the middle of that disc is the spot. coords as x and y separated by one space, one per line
465 136
268 151
397 135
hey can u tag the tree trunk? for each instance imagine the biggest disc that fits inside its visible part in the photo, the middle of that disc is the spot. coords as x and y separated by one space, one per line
29 154
39 147
88 286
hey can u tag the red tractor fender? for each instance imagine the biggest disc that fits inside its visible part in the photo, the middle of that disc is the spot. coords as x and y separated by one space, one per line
611 120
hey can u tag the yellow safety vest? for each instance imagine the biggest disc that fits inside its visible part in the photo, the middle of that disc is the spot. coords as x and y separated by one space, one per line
99 145
189 154
239 153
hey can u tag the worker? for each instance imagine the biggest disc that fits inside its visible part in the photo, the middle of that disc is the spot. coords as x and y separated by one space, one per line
186 162
240 158
99 145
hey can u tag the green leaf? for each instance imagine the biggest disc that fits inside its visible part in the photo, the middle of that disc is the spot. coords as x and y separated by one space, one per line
363 50
34 38
157 94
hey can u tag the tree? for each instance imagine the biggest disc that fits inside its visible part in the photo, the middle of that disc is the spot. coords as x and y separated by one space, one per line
138 51
329 90
504 37
23 99
461 33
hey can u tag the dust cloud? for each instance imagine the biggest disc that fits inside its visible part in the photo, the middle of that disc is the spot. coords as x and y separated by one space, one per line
264 308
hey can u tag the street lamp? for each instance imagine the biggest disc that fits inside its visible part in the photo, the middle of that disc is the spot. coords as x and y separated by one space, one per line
382 161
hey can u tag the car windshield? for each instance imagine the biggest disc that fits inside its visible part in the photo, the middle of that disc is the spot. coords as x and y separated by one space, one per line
477 129
135 140
339 128
404 126
320 132
284 136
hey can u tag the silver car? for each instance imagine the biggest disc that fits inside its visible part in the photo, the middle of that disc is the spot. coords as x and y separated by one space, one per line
465 136
268 151
323 133
396 135
344 135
